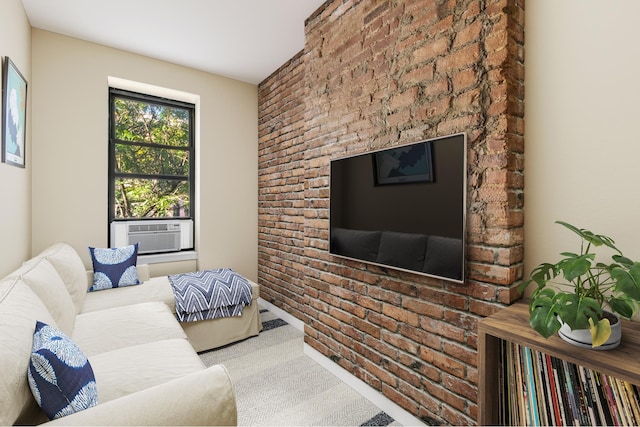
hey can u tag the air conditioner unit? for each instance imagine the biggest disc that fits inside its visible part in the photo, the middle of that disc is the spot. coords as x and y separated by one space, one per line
154 237
122 233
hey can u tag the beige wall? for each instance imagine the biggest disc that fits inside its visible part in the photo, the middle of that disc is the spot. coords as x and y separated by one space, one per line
582 112
582 65
15 183
70 110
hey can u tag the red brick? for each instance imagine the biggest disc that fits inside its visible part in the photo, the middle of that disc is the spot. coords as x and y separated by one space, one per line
420 336
443 329
455 418
436 88
340 315
399 286
482 308
379 372
366 327
400 399
435 108
352 332
463 57
401 315
404 99
443 362
420 74
468 101
424 369
423 397
380 347
384 322
423 307
460 387
368 303
354 309
459 352
404 374
385 296
369 379
399 342
468 34
367 352
445 395
433 49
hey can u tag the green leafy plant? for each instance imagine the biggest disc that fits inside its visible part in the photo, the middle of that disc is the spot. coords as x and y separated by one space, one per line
577 289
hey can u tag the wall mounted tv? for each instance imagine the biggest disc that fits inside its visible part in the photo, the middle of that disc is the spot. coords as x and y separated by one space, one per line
403 207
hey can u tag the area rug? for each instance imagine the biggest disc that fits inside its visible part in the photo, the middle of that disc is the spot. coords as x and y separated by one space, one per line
276 384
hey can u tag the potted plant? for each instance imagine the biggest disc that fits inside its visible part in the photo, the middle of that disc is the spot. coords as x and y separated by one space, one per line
577 292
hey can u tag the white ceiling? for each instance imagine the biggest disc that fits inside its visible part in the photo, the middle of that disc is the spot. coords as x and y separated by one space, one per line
245 40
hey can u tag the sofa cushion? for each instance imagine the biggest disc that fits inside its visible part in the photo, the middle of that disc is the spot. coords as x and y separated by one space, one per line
114 267
359 244
60 376
71 269
44 280
404 250
20 308
110 329
444 257
130 369
155 289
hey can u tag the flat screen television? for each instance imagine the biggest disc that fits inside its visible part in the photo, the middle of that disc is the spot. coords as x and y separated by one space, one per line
403 207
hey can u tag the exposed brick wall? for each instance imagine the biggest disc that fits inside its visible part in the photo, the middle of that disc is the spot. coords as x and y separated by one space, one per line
281 184
375 74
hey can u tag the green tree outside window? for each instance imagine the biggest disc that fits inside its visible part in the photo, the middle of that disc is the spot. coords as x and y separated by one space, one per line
151 157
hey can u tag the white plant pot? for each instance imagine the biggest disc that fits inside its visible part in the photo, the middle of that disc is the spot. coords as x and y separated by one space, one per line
582 337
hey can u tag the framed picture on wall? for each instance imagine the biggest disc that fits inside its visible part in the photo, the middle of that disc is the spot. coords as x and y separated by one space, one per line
14 114
410 163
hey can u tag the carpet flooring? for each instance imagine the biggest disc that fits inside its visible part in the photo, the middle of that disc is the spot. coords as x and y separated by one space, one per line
276 384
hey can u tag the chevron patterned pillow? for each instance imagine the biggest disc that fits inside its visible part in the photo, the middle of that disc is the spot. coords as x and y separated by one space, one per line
114 267
60 376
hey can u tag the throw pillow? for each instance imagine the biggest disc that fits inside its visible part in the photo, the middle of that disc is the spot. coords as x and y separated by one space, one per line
60 376
114 267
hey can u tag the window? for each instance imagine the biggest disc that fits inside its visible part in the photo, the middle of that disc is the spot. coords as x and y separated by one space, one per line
151 157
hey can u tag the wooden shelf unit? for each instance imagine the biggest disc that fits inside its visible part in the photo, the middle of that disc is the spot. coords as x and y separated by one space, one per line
512 324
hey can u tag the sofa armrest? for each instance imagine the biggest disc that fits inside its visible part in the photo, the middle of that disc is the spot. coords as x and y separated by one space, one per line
144 273
202 398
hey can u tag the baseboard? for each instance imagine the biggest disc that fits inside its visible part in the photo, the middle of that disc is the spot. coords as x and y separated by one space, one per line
374 396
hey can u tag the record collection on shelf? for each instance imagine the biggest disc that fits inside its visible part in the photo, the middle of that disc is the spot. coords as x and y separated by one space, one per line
538 389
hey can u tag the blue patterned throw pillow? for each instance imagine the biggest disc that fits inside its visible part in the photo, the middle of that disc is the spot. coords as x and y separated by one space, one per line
114 267
60 376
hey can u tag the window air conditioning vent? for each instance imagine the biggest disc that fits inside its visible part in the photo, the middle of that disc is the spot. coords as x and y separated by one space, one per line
154 238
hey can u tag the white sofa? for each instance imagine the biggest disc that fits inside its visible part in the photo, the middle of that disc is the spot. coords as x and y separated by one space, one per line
146 370
203 335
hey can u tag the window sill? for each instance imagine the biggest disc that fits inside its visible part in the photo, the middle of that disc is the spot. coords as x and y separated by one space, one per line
168 257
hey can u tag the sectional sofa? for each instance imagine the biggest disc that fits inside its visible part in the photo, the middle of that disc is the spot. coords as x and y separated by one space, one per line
203 335
147 371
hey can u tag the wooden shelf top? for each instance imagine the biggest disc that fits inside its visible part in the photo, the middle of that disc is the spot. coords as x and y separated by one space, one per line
512 324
